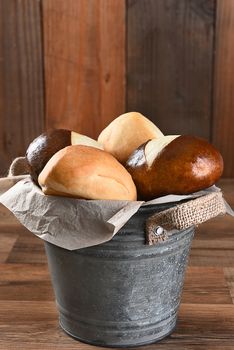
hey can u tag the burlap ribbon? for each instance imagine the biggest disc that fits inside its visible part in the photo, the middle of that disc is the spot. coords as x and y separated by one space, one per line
18 170
18 167
182 216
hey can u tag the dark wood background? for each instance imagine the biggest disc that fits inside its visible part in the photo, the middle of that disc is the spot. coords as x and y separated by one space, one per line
78 64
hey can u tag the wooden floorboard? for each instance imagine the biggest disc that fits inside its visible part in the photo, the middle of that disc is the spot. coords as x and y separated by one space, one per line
28 315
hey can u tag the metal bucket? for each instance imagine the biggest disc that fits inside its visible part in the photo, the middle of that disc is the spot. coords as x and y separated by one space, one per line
121 293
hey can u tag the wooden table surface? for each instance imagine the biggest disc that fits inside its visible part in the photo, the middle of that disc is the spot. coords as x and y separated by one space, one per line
29 320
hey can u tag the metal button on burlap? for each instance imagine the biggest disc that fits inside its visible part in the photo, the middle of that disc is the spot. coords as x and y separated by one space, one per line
158 234
191 213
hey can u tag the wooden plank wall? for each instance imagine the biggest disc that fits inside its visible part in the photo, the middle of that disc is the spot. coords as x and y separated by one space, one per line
170 60
223 117
95 59
84 69
21 78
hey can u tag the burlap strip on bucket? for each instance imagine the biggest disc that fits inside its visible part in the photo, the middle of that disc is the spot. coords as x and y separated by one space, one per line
182 216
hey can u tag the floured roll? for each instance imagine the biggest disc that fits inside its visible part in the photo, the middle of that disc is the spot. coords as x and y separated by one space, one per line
86 172
174 164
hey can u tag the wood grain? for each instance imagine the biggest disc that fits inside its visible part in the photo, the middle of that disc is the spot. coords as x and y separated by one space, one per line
27 250
206 285
7 242
169 63
223 126
229 275
179 68
21 76
84 49
28 316
24 272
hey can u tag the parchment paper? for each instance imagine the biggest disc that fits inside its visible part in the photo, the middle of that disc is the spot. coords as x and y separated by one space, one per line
75 223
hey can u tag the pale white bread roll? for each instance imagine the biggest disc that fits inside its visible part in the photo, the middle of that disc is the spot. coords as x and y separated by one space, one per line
86 172
127 132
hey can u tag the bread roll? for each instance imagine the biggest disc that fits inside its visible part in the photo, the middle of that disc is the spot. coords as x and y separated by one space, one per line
46 145
86 172
174 165
127 132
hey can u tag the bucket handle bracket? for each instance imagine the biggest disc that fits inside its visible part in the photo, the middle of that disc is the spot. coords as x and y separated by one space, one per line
182 216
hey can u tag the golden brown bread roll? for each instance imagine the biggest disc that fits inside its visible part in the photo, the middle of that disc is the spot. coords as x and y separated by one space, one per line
127 132
47 144
86 172
174 165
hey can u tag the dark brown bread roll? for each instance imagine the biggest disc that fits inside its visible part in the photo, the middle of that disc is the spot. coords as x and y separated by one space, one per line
174 165
47 144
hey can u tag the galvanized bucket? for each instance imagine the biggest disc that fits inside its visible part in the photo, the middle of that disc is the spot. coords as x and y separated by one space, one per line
121 293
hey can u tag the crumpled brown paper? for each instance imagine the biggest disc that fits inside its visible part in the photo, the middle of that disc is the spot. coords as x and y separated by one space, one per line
74 223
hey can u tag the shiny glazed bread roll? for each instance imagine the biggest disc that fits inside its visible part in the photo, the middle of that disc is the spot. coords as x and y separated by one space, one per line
174 165
127 132
47 144
86 172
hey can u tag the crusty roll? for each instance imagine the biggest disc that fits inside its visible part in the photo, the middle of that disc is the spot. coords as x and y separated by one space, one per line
127 132
86 172
174 165
47 144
